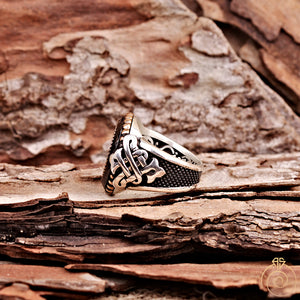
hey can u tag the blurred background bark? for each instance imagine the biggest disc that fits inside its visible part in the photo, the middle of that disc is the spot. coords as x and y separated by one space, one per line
69 70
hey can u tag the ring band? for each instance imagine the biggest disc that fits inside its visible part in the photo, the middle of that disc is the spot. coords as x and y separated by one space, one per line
142 159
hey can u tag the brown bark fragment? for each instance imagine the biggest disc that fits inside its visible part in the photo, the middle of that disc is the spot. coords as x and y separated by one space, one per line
52 277
19 291
62 90
157 224
251 53
264 27
225 275
281 72
27 26
271 16
227 171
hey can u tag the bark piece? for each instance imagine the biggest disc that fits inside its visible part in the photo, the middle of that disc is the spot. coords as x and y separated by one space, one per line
271 16
246 171
245 228
248 228
51 277
38 252
19 291
281 71
225 275
227 171
133 227
175 72
251 53
281 47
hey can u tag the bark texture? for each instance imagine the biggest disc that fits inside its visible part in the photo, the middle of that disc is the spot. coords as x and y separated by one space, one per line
244 222
243 274
273 25
65 79
176 71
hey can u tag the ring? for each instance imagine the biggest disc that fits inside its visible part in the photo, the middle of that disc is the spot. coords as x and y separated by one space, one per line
142 159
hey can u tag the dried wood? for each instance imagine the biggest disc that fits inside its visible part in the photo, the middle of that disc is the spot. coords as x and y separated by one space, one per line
22 53
159 69
224 275
274 27
19 291
223 171
51 277
251 53
34 282
89 225
271 17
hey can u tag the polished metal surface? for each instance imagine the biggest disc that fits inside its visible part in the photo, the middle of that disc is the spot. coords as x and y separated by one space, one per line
146 160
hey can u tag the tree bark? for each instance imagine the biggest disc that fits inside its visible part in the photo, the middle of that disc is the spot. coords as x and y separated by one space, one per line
251 213
266 22
261 217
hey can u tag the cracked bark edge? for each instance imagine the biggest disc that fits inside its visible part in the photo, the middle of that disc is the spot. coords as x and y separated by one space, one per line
225 275
280 46
240 222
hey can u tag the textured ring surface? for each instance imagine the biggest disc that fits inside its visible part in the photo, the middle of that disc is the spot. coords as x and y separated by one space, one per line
140 158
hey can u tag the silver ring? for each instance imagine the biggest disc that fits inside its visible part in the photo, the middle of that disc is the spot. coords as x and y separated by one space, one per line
142 159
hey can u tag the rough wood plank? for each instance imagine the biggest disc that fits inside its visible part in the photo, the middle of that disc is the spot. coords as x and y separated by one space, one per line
225 275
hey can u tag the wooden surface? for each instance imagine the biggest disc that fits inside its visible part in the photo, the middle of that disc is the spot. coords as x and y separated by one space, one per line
69 70
252 212
241 274
245 207
26 26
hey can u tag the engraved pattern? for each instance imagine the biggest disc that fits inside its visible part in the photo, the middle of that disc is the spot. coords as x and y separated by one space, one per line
130 164
176 176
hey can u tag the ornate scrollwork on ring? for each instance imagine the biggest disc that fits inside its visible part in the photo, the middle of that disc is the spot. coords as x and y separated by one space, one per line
132 162
167 148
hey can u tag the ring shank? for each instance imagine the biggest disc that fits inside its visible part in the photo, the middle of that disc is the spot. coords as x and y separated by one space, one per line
191 161
156 163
